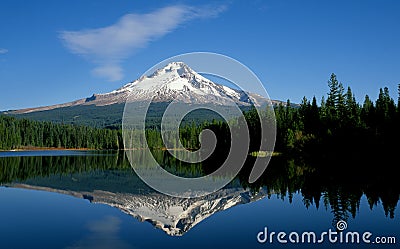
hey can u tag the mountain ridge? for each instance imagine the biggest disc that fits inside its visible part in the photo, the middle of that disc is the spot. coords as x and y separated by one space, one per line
174 82
179 82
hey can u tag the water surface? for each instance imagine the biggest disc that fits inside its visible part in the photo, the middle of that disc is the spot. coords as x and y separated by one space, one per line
87 200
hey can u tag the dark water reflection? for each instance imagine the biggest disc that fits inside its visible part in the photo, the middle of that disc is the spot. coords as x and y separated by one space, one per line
58 202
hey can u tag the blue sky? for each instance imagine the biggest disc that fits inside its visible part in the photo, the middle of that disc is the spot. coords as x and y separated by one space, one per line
57 51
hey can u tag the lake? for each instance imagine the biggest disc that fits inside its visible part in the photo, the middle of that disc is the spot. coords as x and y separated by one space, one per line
78 199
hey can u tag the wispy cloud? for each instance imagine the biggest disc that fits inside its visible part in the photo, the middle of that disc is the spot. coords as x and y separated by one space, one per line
3 51
108 46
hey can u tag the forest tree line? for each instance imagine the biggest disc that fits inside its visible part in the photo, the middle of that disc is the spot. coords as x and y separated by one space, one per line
21 133
338 121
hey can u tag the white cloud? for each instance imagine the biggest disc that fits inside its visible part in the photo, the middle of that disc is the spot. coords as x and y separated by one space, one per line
108 46
3 51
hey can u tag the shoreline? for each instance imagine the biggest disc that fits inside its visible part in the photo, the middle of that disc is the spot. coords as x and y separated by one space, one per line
47 149
254 154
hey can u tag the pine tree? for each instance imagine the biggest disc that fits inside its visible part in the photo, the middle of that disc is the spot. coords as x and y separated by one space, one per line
314 119
368 104
368 113
341 105
398 99
314 106
333 85
385 106
398 111
304 107
335 102
351 108
323 108
304 112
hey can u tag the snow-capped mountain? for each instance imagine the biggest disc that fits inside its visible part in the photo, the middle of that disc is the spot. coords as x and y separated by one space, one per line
175 81
175 216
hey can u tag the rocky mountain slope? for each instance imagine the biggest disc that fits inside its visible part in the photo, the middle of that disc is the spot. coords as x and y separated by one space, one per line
176 81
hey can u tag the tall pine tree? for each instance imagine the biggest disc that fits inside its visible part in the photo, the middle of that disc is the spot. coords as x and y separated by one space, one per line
335 103
351 114
398 99
368 113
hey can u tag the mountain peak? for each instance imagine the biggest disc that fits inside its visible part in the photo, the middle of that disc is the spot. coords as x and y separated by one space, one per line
177 81
180 68
177 65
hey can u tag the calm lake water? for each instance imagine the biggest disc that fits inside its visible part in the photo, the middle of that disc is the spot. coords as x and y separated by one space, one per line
68 199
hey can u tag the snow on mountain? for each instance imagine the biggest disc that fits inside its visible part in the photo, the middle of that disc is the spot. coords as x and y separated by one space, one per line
176 81
175 216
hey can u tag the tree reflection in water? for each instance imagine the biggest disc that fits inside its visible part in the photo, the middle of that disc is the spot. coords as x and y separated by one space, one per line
338 184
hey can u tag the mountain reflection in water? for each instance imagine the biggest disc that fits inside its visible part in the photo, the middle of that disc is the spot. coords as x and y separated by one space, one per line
108 178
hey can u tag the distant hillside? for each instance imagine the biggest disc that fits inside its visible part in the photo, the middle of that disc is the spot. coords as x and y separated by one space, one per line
110 116
90 115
